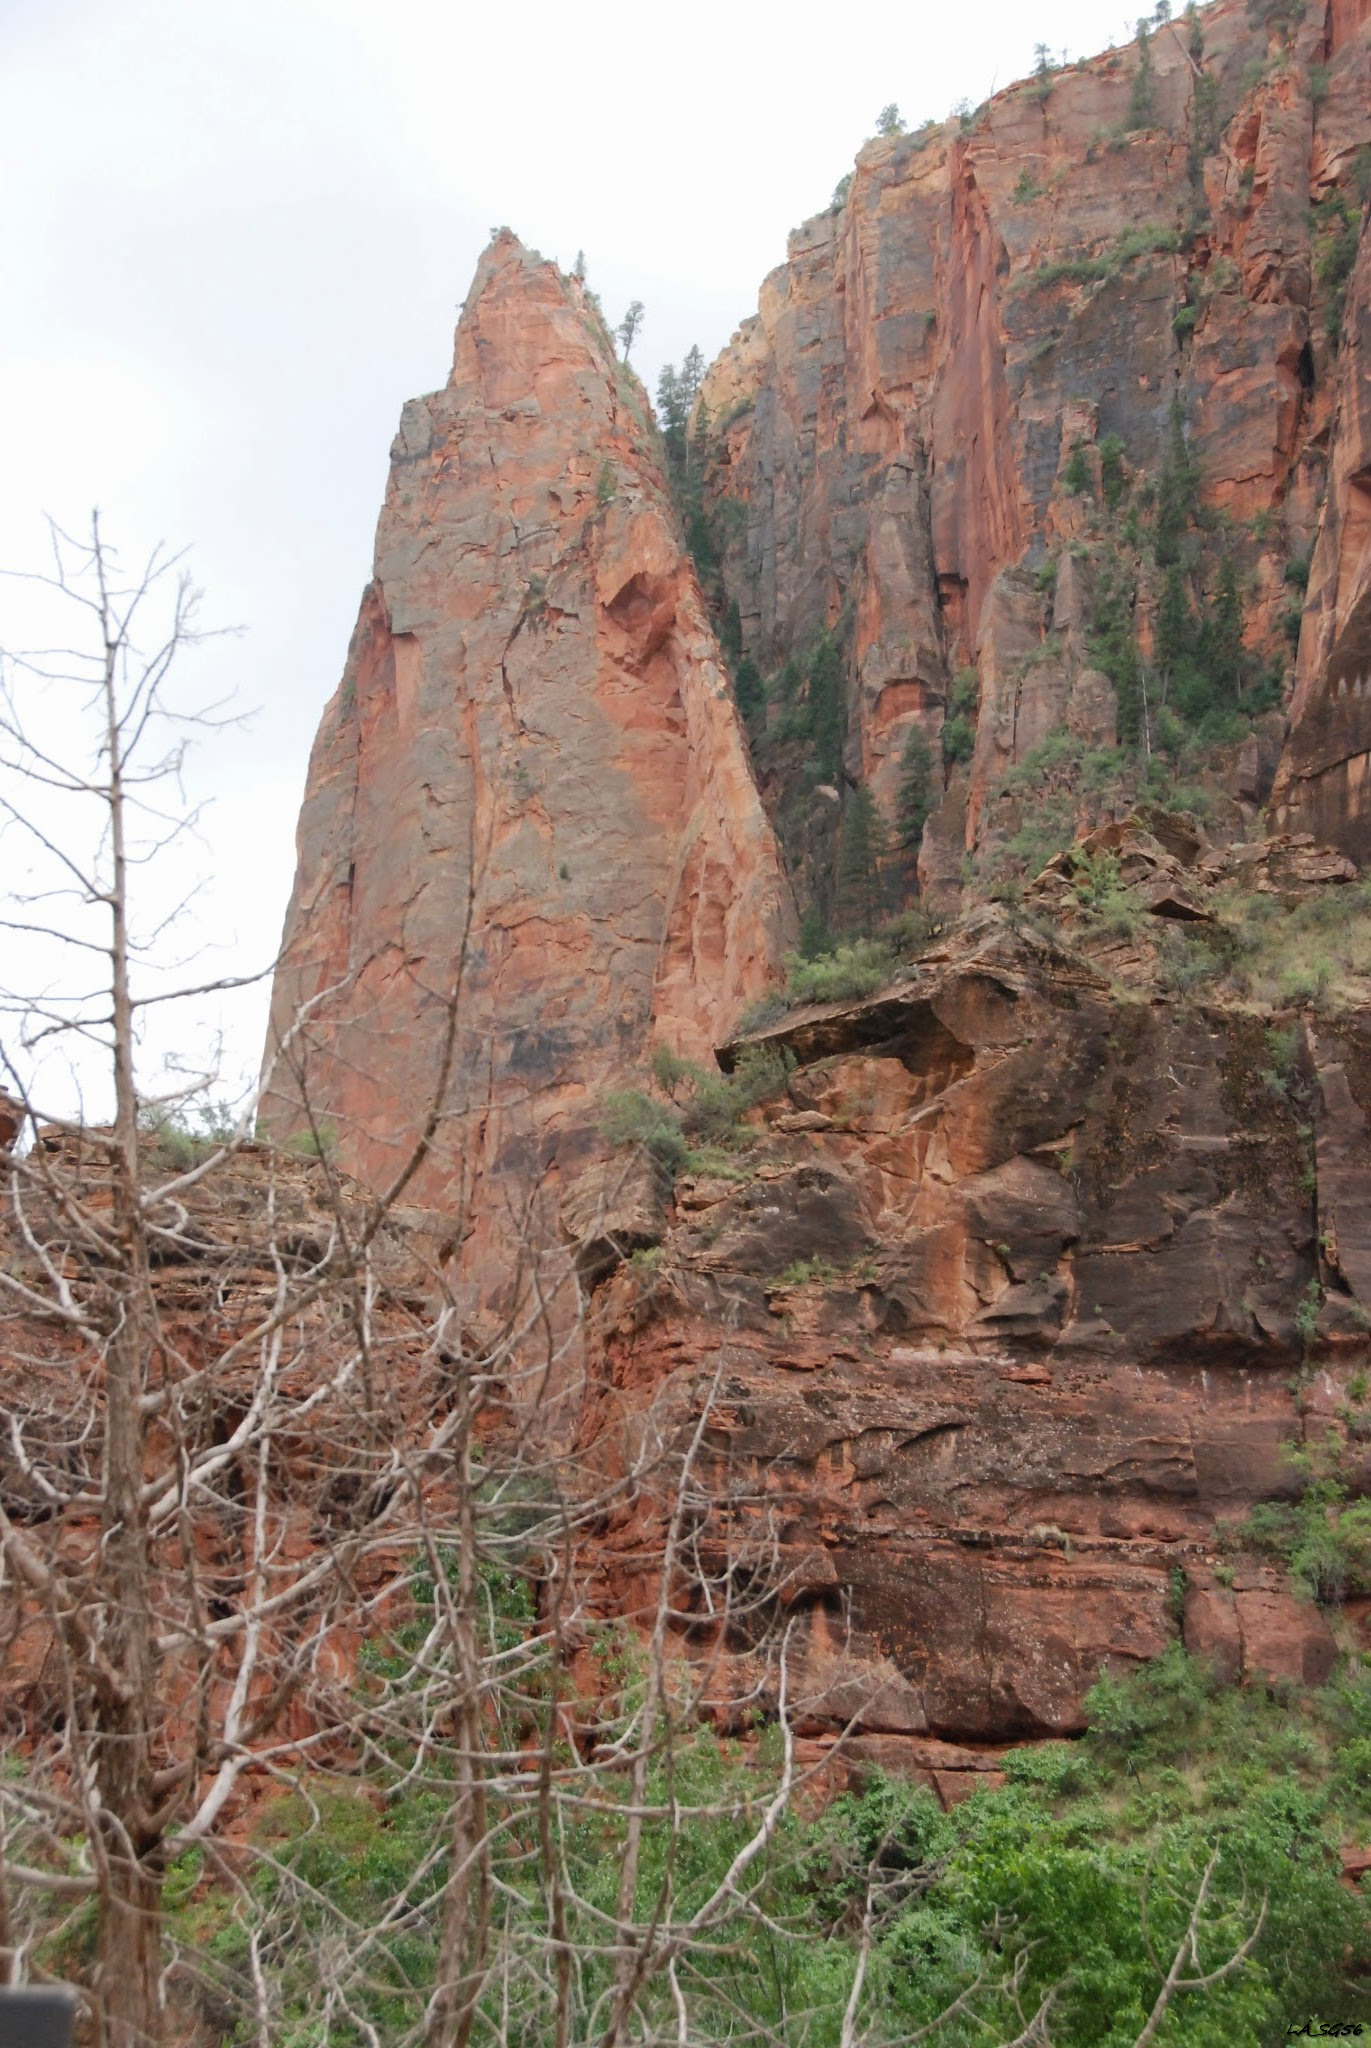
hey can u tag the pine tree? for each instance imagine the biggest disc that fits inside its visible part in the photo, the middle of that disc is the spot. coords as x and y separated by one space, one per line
750 693
827 707
630 327
1176 627
1111 644
914 801
1042 73
673 414
888 121
1222 651
814 935
1176 490
862 851
692 377
1140 104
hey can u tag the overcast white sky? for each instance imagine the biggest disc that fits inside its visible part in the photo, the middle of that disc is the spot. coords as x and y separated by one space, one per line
235 236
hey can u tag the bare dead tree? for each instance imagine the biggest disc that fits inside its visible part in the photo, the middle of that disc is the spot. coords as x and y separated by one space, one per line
249 1432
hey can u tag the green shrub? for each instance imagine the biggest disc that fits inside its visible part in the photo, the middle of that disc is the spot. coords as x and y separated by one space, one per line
959 728
628 1117
1112 478
1076 477
845 975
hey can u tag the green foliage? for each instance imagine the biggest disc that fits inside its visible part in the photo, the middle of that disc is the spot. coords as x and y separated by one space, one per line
888 121
698 1116
1177 489
750 692
915 798
840 192
815 937
318 1141
1128 245
846 975
863 853
628 1117
959 728
804 1272
1323 1537
1281 17
1337 232
1205 124
827 705
1071 270
607 487
1112 479
186 1134
629 328
1040 1886
1027 188
1111 644
1076 476
1141 108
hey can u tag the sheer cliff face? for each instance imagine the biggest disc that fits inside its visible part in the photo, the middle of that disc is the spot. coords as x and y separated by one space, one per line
531 777
898 417
1324 785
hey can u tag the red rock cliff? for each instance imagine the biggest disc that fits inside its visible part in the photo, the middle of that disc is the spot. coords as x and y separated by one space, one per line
533 742
898 419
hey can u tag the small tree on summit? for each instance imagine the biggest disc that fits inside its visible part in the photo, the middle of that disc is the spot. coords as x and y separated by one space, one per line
629 327
888 121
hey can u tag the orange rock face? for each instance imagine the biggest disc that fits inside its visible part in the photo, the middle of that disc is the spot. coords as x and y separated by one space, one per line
532 778
898 416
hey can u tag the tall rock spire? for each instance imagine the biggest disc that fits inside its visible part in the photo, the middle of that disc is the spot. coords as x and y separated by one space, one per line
532 775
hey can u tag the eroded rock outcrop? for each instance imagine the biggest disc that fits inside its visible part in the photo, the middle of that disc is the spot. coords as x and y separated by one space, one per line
1008 1315
532 779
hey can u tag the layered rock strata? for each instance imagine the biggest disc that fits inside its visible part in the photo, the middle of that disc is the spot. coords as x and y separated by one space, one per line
1013 1310
531 788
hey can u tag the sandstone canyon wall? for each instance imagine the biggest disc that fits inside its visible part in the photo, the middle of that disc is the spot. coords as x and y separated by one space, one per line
1013 1314
532 777
1018 1285
897 423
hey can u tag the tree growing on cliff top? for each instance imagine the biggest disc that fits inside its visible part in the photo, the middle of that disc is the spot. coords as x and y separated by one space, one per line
630 327
1141 105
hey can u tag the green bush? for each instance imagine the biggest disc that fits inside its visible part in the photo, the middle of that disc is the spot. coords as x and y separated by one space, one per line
1076 477
959 727
845 975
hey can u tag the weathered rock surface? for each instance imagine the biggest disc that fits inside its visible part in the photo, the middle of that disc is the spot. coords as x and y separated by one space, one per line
532 778
1008 1308
898 417
1324 783
1005 1322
